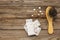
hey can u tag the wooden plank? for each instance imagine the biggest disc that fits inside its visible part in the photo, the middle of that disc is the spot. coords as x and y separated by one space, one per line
33 38
22 33
41 2
12 22
19 23
21 13
11 3
23 9
30 3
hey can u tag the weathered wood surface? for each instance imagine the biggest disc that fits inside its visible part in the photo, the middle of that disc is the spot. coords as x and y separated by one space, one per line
20 34
19 23
30 2
13 15
22 12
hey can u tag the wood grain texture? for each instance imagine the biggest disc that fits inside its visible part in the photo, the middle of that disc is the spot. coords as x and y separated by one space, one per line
22 12
19 23
13 15
21 34
30 2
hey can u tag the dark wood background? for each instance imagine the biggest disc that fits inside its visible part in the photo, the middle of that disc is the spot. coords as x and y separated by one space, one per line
13 14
